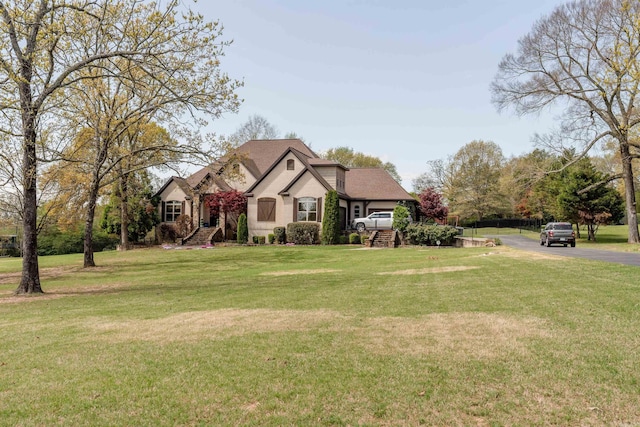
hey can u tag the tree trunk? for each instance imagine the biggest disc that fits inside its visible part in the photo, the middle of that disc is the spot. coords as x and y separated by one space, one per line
124 212
630 194
88 227
88 236
30 281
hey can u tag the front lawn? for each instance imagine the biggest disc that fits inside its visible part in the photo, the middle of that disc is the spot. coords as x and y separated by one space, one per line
321 336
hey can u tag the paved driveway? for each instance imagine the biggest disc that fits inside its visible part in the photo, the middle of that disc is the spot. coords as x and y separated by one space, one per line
526 244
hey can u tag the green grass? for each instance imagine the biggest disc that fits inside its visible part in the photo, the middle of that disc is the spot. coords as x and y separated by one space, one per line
230 336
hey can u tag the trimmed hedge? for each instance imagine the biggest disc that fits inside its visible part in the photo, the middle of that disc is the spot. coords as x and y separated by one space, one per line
280 234
430 235
354 239
303 233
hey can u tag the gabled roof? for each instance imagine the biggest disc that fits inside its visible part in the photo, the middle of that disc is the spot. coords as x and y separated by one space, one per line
261 156
265 152
304 159
181 182
373 184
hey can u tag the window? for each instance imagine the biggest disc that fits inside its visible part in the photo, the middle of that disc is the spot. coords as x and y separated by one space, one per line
307 209
172 210
356 211
290 164
267 209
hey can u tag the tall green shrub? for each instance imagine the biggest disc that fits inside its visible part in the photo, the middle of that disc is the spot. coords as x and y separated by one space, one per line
243 229
331 219
401 218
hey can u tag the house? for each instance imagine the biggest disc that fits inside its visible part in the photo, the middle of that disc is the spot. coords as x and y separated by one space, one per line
284 181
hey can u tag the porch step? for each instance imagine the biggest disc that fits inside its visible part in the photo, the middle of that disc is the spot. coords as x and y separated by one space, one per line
202 236
382 239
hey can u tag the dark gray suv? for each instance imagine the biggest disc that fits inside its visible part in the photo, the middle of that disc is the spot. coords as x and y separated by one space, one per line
558 232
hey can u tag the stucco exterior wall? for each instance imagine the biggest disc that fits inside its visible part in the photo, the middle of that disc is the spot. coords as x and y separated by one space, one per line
274 183
173 192
243 182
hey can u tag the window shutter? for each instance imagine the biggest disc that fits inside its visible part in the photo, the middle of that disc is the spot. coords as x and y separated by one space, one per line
267 209
319 209
182 208
162 217
295 209
271 210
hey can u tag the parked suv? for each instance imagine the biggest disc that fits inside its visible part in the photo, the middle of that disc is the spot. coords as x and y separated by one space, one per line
374 221
558 232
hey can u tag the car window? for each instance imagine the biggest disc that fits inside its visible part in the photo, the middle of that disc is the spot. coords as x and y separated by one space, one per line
385 215
564 227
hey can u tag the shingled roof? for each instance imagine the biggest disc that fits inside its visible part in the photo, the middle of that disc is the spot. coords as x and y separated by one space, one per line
373 184
264 152
258 155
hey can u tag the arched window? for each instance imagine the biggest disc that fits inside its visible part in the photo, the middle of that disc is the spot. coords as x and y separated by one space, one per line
290 164
172 210
307 209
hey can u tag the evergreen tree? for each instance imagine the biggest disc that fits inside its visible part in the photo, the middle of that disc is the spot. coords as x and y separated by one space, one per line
243 229
142 212
331 219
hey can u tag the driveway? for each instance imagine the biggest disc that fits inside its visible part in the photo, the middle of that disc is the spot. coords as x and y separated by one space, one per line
526 244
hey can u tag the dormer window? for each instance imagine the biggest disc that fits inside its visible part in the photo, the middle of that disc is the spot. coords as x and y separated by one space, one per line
290 165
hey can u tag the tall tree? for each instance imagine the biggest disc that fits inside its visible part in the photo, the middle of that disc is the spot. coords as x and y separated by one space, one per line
49 47
135 217
256 127
472 187
584 199
584 54
346 156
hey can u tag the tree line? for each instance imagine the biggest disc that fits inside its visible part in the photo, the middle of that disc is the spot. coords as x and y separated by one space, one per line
478 183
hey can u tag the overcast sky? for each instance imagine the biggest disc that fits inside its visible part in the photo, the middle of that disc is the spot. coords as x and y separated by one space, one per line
406 81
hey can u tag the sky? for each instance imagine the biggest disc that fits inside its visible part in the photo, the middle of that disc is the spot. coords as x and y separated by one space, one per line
403 80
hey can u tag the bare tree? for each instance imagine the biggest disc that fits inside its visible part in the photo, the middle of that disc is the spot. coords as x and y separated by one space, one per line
585 54
47 47
257 127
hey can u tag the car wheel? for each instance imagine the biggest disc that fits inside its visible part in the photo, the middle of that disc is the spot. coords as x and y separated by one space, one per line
541 242
573 244
360 227
548 242
565 245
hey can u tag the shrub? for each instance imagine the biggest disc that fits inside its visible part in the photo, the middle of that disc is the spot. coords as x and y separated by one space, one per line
303 233
272 238
421 234
168 233
280 234
56 242
183 225
261 240
354 238
343 240
331 219
254 239
401 218
243 230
